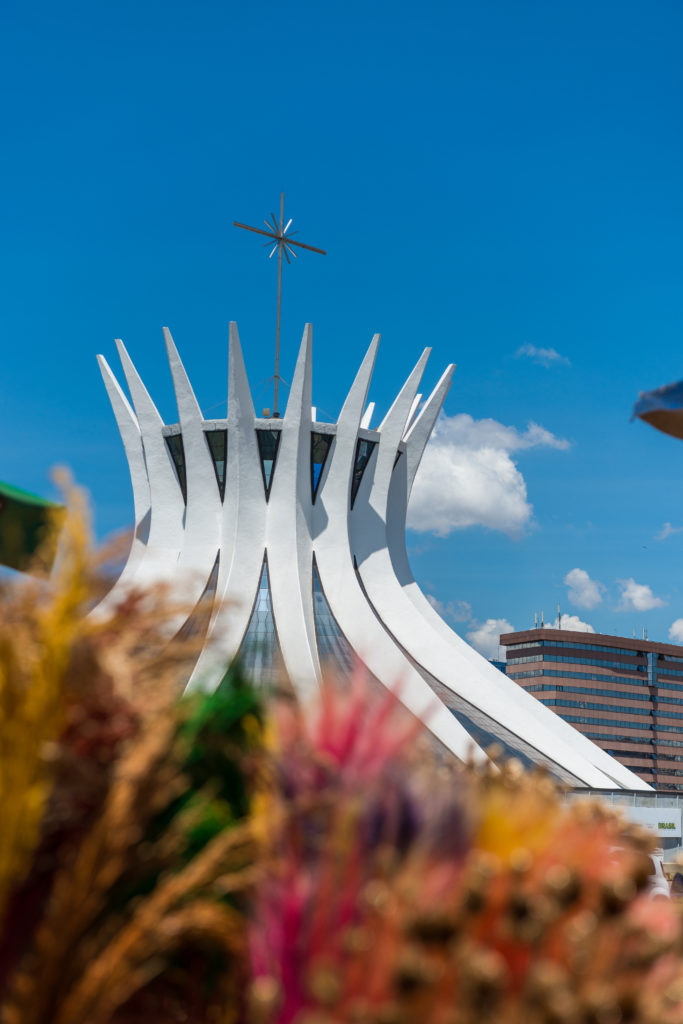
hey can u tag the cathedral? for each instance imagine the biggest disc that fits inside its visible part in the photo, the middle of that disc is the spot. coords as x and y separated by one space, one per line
293 531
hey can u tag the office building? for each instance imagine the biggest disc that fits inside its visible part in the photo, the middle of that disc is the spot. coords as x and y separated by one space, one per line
624 694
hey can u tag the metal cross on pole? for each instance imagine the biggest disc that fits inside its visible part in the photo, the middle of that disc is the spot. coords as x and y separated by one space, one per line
283 243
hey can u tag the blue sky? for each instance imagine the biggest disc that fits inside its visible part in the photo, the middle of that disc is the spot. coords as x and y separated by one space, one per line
487 178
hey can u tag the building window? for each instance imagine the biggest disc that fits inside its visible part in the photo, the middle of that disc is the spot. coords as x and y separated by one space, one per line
268 444
579 647
217 441
628 680
563 659
364 450
320 448
601 721
614 708
174 443
619 695
668 672
613 738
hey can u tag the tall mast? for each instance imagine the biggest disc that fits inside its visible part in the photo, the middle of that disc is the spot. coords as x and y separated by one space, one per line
284 243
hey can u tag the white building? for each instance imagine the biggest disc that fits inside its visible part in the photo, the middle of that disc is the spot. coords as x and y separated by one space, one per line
296 531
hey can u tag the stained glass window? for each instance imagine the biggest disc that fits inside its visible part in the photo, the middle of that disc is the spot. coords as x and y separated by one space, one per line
198 622
364 450
320 447
268 443
217 441
486 731
176 448
260 649
332 644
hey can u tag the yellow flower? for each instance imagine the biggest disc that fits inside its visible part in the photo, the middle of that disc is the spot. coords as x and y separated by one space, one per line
39 622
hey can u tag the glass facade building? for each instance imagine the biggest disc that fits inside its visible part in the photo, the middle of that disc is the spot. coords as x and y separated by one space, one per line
624 694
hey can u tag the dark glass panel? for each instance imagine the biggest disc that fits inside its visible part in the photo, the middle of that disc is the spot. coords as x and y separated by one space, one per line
364 450
563 659
198 623
217 441
582 647
320 448
486 731
177 451
332 644
268 444
259 652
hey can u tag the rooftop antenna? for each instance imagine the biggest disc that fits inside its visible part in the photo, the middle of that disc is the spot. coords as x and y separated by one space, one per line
559 616
277 232
542 622
535 620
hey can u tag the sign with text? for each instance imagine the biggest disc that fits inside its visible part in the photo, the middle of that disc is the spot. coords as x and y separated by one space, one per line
665 822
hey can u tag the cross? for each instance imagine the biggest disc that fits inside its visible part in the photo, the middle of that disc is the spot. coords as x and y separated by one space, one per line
283 243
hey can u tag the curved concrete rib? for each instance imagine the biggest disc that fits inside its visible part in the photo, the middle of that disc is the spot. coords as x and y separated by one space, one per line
384 659
419 432
468 680
374 488
413 411
203 511
343 451
398 599
243 534
166 526
129 430
518 710
290 559
395 610
347 600
367 416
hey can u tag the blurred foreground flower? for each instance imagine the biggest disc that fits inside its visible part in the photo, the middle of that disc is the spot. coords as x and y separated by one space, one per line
124 844
206 858
413 890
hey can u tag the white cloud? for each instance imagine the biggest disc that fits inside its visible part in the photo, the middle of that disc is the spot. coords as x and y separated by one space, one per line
667 530
456 611
468 478
573 623
637 597
583 591
485 637
676 632
545 356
